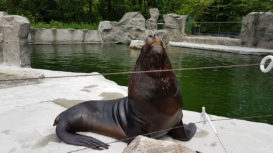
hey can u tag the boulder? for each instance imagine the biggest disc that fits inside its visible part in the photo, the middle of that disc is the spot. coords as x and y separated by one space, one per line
163 35
132 20
131 26
154 13
143 144
18 77
151 24
105 26
137 44
175 26
3 13
15 30
1 45
257 30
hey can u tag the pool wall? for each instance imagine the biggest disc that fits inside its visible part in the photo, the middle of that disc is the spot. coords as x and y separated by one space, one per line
63 36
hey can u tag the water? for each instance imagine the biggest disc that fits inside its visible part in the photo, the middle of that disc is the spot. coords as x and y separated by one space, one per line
234 93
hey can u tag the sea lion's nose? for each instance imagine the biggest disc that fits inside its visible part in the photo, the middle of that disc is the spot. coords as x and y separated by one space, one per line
151 36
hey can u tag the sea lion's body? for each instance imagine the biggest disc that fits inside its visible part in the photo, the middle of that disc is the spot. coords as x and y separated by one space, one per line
154 103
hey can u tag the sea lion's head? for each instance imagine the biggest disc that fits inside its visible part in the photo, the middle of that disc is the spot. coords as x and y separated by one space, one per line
153 45
153 55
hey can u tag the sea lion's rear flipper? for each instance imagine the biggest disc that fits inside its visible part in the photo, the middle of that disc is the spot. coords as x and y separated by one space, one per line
77 139
183 133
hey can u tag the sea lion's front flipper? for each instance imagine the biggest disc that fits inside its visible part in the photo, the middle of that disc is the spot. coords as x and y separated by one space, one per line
183 133
77 139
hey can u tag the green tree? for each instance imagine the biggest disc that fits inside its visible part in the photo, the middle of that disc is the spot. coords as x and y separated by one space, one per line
93 11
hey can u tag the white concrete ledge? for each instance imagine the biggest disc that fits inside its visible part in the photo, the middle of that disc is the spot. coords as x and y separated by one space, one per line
211 40
222 48
27 113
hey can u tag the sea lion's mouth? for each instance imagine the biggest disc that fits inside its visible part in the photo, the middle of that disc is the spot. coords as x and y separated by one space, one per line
157 49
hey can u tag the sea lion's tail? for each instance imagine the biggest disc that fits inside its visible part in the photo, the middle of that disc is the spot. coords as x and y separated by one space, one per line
62 131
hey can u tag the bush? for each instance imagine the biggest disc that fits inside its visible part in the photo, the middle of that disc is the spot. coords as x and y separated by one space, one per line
61 25
190 26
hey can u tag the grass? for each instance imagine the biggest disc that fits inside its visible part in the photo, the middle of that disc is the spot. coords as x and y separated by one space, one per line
61 25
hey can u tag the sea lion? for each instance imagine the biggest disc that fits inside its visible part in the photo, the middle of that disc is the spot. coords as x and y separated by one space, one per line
154 103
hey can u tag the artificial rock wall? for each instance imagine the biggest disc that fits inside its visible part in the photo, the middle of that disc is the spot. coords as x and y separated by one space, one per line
14 32
132 26
257 30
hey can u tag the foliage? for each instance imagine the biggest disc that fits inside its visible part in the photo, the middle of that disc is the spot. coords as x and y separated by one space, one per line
61 25
189 27
93 11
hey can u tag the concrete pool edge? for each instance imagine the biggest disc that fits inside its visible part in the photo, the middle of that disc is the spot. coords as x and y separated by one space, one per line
27 113
223 48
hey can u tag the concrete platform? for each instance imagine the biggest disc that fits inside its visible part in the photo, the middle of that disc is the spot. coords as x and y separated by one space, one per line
223 48
27 113
212 40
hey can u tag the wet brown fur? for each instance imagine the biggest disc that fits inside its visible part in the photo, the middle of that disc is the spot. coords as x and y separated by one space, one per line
154 103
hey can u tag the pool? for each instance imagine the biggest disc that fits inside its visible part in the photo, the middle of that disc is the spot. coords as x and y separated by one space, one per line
234 93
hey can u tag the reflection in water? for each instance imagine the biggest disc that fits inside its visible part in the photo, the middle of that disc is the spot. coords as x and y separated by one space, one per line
232 92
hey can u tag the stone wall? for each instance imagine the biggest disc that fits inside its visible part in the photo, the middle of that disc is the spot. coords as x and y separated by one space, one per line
257 30
14 31
63 36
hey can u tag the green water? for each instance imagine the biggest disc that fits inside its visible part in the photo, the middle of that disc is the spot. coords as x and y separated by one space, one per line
234 93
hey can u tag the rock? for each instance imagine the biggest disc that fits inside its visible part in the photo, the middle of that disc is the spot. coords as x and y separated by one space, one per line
19 74
257 30
137 44
131 26
105 26
1 45
151 24
15 30
163 35
1 39
175 26
143 144
3 13
132 20
154 13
